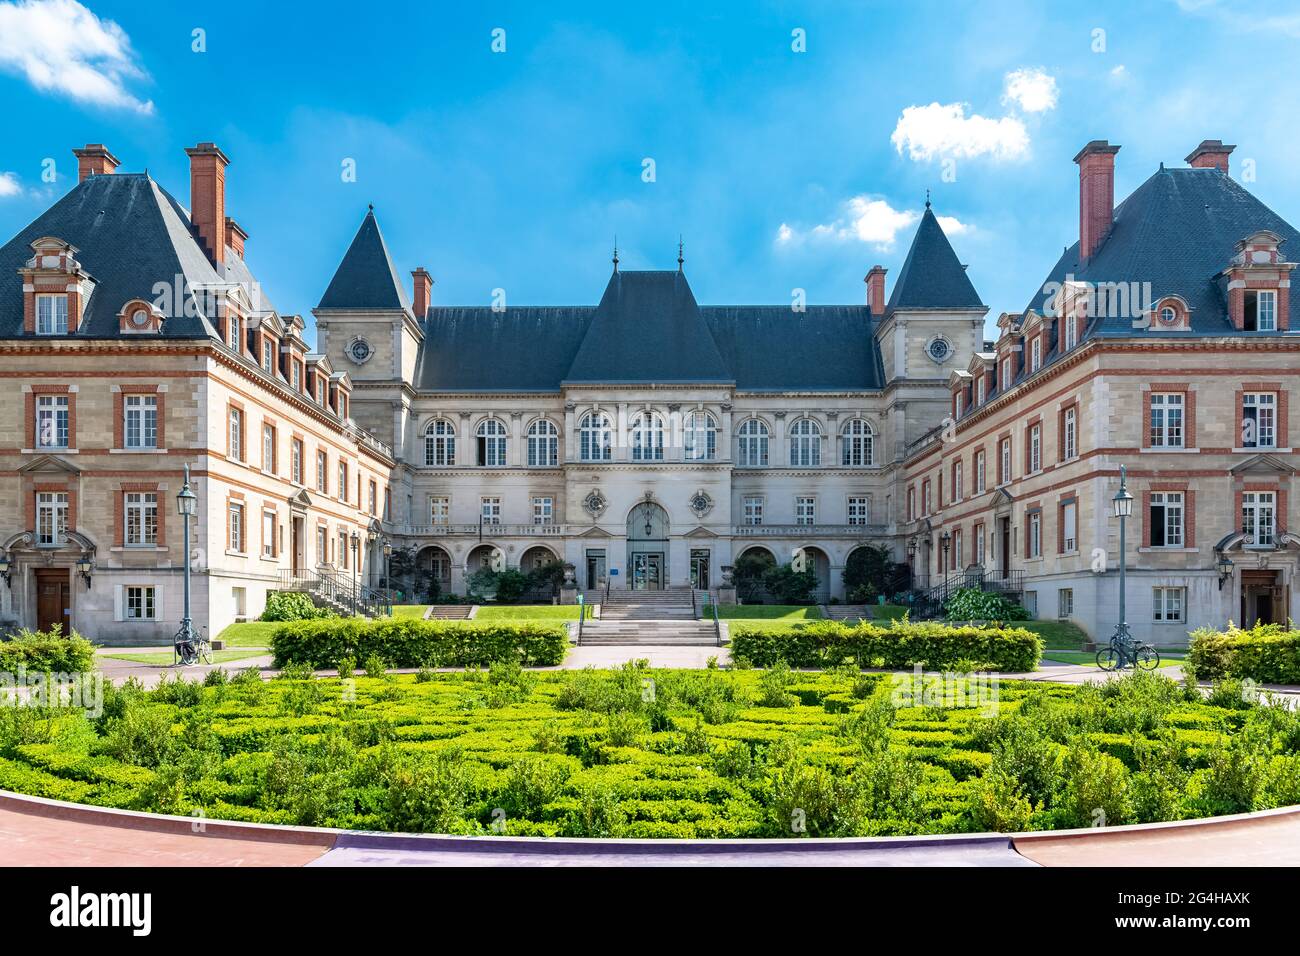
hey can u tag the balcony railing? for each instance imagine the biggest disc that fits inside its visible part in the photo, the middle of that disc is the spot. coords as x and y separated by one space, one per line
808 530
489 530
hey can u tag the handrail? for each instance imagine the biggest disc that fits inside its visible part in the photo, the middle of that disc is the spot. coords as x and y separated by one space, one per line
338 588
717 625
582 613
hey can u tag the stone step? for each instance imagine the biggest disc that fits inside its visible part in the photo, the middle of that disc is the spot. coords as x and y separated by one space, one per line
631 633
450 612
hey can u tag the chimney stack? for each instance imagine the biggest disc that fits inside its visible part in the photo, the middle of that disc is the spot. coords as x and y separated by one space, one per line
875 281
1096 195
1211 154
94 160
208 197
423 292
235 237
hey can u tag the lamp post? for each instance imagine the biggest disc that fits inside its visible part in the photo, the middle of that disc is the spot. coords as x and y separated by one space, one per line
388 559
356 553
6 566
1224 566
1123 505
946 541
186 506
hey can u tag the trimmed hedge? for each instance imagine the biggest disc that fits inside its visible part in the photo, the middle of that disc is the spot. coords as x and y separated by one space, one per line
409 642
898 645
47 651
1267 654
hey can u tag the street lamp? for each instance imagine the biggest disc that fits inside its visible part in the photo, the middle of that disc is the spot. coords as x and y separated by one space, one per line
388 556
6 566
187 506
1123 505
356 552
84 566
1224 566
946 541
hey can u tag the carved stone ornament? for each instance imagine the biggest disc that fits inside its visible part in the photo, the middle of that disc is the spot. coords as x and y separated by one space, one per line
700 504
595 504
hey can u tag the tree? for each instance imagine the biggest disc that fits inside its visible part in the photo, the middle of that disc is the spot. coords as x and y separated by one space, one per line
870 570
789 586
748 573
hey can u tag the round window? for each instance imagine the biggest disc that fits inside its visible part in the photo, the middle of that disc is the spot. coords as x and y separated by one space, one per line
939 349
139 318
1168 315
359 350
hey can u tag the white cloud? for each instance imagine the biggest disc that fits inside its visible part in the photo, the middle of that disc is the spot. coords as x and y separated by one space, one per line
867 220
61 47
944 130
1033 89
1244 18
9 185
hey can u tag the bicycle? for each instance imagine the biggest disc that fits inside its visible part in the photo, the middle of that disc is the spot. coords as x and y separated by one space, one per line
191 648
1128 653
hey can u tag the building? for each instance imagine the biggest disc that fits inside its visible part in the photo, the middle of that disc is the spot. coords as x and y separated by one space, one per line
643 438
1161 341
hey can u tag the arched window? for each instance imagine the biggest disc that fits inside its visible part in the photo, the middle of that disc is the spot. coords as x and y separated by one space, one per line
752 444
440 443
857 444
805 443
491 444
543 444
647 437
700 437
595 437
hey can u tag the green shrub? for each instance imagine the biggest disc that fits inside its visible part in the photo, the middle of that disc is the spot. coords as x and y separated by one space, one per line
896 645
1266 654
975 604
409 642
292 606
47 651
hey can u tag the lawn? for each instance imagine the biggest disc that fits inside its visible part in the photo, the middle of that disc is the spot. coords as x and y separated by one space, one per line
888 612
527 612
410 610
1090 658
706 753
249 634
166 659
790 613
1057 635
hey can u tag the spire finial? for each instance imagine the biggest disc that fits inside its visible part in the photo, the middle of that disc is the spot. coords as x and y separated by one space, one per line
680 257
927 199
370 206
615 252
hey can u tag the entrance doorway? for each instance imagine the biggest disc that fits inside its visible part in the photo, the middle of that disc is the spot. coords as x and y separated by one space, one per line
700 569
1260 597
54 599
296 544
595 568
647 571
1004 547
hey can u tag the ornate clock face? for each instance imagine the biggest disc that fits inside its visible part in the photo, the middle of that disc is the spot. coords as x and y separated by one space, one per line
359 350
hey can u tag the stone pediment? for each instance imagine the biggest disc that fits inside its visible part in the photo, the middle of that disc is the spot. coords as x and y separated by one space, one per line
595 532
1262 464
49 464
700 532
300 499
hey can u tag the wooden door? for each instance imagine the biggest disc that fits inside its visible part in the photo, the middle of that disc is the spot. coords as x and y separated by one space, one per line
53 599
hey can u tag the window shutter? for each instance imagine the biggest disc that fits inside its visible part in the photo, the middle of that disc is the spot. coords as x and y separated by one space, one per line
118 600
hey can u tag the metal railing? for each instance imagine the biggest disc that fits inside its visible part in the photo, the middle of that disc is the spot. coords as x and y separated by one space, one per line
929 602
717 625
337 588
808 530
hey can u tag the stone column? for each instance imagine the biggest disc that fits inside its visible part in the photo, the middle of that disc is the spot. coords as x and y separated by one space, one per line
622 451
465 453
725 450
570 433
517 457
778 454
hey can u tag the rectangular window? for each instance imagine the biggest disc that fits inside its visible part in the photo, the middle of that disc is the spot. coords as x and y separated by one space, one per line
859 510
1257 517
979 545
1071 331
490 509
1167 420
322 473
979 472
322 546
979 389
1260 310
1035 448
51 518
141 425
1166 519
911 504
752 508
343 481
543 510
343 550
1069 526
1035 543
52 421
927 498
295 460
1064 603
294 378
805 510
372 498
1004 469
958 481
1070 433
1259 420
235 327
268 355
236 524
1005 382
439 510
268 449
141 518
1167 605
140 603
51 315
236 434
956 549
268 534
1036 354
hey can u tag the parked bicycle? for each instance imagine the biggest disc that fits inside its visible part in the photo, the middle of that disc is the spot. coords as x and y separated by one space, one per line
1124 652
192 647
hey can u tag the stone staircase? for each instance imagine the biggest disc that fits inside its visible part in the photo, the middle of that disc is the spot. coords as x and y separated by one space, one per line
449 612
668 604
846 612
663 618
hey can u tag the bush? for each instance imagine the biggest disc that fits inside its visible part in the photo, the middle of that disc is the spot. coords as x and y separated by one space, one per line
47 651
1266 654
410 642
973 604
291 606
897 645
789 586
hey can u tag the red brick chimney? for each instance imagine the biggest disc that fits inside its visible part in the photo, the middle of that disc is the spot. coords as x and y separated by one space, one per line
94 160
235 237
423 292
1096 195
208 197
875 281
1211 154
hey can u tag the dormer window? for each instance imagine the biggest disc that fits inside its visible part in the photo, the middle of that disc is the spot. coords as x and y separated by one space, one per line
268 355
51 315
236 329
1036 354
1168 315
1071 331
1260 310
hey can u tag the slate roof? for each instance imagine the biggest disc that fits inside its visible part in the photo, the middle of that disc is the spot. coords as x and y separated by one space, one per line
1177 230
932 277
771 348
130 234
521 349
366 278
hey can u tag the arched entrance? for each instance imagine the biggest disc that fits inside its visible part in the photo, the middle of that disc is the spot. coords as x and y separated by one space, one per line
434 567
747 573
536 558
647 547
819 562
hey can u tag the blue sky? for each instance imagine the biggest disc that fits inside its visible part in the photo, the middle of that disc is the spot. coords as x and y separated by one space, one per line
515 169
